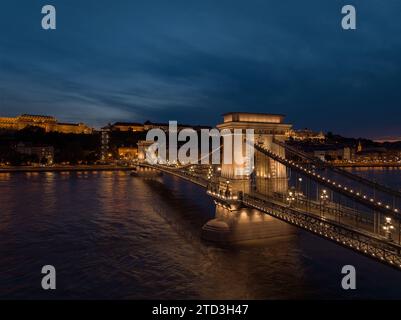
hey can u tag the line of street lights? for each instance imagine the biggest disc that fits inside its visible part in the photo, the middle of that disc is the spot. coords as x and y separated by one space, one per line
324 179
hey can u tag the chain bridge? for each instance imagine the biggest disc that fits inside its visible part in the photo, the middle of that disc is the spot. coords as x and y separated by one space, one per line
297 188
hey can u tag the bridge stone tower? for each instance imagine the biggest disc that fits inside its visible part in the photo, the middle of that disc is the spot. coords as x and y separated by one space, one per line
143 146
268 176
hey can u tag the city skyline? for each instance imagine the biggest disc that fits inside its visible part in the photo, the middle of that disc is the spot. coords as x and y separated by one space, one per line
183 61
80 125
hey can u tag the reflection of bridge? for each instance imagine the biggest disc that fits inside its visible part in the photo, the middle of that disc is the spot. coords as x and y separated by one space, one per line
303 191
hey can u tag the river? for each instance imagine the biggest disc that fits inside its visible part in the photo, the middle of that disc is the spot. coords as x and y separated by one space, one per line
113 236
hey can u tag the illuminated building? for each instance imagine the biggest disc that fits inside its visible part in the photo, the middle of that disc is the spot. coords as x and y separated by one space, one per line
148 125
151 125
128 153
48 123
305 134
375 154
359 149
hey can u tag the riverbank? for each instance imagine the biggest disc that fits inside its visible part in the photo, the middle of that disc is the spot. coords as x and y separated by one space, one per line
360 164
59 168
368 165
65 168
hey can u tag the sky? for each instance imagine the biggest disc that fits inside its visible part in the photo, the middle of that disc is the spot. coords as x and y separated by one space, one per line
192 61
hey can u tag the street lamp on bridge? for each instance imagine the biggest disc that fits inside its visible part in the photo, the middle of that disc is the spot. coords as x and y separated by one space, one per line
299 194
324 198
290 196
388 228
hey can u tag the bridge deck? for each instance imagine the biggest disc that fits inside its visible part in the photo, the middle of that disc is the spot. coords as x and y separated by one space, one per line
343 226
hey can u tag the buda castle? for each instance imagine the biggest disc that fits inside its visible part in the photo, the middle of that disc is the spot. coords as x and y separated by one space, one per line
50 124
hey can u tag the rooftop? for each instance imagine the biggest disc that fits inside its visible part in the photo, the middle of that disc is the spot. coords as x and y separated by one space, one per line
35 116
127 124
253 117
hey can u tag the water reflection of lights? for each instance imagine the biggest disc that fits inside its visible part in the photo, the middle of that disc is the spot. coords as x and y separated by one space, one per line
32 174
4 176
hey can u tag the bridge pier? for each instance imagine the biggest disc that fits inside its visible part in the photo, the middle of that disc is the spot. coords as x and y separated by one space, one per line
243 224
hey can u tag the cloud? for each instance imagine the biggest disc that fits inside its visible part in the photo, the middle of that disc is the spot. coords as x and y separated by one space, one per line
193 60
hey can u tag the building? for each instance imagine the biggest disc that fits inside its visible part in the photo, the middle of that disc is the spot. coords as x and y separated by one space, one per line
127 127
148 125
152 125
305 135
74 128
359 148
329 154
127 153
104 144
48 123
42 152
374 154
348 154
332 153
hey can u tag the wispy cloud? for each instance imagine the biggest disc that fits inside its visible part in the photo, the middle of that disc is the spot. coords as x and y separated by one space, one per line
192 60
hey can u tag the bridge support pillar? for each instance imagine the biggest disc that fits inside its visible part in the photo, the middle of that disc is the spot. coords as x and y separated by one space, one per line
244 224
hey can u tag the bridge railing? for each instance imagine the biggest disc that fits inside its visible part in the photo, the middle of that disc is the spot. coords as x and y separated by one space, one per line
365 242
369 183
335 186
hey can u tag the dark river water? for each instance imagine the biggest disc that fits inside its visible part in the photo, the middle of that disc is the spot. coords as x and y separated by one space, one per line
113 236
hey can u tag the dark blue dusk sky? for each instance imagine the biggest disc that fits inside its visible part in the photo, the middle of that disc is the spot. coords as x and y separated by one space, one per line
191 61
